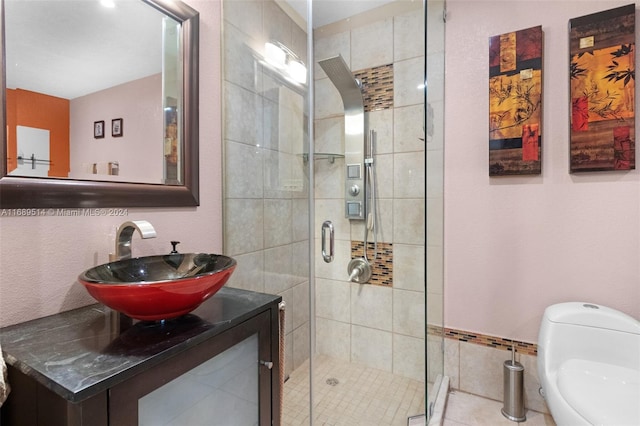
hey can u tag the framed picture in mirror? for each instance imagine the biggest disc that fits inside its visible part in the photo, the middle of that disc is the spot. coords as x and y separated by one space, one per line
116 127
98 129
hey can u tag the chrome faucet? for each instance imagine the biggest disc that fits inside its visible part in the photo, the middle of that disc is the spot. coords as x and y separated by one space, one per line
359 270
124 235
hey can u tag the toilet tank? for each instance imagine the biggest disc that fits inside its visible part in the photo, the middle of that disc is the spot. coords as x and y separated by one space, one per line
576 330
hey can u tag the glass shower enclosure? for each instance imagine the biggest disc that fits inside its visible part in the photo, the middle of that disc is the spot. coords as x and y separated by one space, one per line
359 348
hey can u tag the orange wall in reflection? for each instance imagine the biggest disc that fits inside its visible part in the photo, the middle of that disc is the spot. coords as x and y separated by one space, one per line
31 109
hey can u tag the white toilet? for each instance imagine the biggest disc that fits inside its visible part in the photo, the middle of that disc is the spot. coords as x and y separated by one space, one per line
589 365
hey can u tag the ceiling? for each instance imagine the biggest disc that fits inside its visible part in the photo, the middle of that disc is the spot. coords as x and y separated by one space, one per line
72 48
329 11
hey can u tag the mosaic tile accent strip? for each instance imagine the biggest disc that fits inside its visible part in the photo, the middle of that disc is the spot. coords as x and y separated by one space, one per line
494 342
382 273
435 330
377 87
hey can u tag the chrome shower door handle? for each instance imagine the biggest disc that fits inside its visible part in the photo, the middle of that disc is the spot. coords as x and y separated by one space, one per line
327 257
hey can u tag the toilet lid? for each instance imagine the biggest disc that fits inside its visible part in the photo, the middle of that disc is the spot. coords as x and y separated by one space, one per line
603 394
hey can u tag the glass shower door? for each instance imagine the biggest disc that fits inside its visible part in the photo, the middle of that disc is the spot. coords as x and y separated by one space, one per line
434 140
266 168
369 360
356 352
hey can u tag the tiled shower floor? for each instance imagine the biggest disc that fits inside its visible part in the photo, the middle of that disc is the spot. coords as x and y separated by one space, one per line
358 396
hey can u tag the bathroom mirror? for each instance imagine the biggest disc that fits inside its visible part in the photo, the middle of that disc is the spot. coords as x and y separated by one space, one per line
99 184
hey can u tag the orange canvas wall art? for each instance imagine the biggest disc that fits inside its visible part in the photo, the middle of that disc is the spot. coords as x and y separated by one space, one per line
515 103
602 82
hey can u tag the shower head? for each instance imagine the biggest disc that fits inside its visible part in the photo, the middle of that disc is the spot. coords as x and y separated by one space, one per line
342 78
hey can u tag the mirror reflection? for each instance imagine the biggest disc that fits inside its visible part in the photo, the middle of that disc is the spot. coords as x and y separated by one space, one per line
93 91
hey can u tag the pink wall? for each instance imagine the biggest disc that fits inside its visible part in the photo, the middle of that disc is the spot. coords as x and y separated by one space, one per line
516 245
41 257
140 149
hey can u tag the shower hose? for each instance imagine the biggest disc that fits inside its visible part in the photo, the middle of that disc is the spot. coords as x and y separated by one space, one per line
371 214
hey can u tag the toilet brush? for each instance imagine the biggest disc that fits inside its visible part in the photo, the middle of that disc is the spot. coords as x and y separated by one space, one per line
513 408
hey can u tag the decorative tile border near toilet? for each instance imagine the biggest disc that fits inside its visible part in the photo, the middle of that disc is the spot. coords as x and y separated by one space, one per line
474 364
382 272
492 341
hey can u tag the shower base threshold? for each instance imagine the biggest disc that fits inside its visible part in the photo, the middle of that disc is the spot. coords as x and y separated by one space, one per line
417 420
438 407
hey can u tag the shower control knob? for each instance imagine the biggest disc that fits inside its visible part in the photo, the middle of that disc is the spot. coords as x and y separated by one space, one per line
354 190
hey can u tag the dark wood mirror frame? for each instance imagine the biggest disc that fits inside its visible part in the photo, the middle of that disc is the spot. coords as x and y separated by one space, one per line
28 192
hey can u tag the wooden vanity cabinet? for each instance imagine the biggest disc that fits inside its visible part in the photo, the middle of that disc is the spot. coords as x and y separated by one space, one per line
123 398
32 403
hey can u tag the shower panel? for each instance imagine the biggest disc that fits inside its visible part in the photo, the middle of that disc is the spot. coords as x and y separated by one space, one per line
358 173
354 124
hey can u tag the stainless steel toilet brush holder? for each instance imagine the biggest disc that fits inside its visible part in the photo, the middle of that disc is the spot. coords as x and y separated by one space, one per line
513 408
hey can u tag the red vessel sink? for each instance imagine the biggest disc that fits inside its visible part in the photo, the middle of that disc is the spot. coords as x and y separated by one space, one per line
158 287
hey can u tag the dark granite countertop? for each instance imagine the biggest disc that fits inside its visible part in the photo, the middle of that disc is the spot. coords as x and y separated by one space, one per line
82 352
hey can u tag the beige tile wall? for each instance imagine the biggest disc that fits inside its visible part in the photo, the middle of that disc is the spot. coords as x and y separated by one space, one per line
265 189
478 369
264 226
374 325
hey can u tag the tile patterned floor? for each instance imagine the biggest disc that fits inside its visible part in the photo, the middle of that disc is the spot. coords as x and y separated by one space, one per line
362 396
464 409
